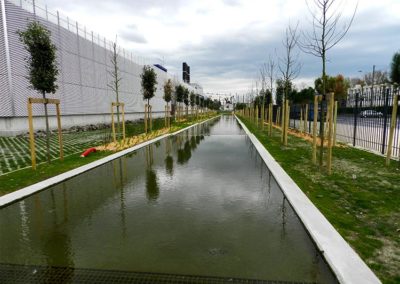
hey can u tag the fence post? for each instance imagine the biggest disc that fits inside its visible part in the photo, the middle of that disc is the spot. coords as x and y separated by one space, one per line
385 113
355 118
335 122
392 127
305 119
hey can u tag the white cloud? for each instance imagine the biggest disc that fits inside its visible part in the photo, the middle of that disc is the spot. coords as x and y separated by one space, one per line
225 41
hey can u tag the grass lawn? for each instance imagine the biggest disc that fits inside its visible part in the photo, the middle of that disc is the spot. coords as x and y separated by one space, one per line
10 182
361 198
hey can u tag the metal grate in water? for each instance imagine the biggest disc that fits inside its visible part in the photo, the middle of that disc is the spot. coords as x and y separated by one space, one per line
10 273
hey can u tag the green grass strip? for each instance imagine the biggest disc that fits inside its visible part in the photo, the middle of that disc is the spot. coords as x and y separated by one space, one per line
361 198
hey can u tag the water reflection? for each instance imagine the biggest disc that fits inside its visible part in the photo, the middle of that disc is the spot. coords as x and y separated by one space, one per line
152 187
192 204
169 165
184 154
169 160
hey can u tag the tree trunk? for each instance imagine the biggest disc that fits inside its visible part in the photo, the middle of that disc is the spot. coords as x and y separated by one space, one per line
322 115
47 130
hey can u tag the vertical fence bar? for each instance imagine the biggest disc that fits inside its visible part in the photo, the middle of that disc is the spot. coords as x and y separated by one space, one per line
335 122
385 114
305 119
355 118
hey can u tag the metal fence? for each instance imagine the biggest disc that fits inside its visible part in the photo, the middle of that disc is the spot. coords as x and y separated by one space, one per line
363 119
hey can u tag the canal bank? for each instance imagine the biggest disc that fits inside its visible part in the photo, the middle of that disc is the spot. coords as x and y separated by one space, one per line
343 260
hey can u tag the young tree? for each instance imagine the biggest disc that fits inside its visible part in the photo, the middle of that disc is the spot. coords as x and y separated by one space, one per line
192 98
116 78
179 93
149 82
290 69
197 104
289 65
42 65
186 100
395 68
168 89
325 34
280 91
201 103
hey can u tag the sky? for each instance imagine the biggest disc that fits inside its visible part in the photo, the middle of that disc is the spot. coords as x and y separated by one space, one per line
226 41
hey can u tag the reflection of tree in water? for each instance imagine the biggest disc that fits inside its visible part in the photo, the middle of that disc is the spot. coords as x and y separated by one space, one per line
169 165
199 138
152 188
284 217
169 161
184 154
193 143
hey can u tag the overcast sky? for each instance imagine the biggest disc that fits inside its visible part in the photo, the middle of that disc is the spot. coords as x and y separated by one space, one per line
226 41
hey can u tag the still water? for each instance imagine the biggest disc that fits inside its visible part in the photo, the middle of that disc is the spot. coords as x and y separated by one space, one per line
199 203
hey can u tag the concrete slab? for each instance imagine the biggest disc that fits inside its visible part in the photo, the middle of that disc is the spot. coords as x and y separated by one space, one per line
343 260
37 187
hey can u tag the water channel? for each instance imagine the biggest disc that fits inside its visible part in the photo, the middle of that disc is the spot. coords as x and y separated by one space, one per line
200 203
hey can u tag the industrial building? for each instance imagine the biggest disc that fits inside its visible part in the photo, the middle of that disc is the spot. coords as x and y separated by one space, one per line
84 64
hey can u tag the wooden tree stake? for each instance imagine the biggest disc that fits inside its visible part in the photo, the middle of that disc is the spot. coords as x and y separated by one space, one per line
122 105
334 123
145 118
31 131
330 133
315 122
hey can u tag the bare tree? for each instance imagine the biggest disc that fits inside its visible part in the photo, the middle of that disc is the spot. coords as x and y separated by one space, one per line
289 65
116 78
270 72
376 78
325 34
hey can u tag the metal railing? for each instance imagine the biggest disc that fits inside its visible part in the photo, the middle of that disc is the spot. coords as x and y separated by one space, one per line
363 119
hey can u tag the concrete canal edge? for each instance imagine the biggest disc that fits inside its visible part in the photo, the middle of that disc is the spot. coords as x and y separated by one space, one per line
20 194
345 263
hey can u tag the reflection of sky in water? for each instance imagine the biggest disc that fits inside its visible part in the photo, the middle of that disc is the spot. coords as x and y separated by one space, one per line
200 203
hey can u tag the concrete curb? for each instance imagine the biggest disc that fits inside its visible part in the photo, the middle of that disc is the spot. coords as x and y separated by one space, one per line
345 263
20 194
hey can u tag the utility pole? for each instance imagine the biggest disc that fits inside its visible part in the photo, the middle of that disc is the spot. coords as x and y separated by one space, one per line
372 85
